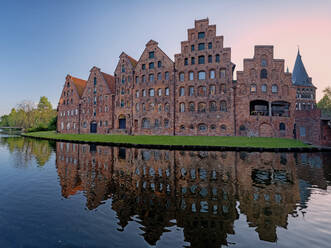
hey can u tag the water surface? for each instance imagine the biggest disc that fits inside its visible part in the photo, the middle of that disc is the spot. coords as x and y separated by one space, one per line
76 195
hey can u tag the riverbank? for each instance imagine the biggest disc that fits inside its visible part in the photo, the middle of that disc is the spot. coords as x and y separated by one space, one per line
182 142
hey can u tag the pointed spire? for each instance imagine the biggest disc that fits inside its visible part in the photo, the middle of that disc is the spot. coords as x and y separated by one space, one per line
287 70
299 75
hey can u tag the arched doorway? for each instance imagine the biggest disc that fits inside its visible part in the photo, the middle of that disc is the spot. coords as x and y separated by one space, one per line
122 122
93 127
266 130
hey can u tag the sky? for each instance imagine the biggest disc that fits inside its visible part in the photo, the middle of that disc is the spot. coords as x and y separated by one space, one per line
43 41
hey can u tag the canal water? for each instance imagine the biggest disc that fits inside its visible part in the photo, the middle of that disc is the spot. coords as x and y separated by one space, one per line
56 194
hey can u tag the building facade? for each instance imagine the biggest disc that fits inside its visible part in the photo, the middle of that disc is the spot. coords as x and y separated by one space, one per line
195 94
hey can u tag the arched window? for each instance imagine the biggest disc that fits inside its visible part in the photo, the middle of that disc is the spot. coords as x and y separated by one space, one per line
212 127
202 91
201 60
212 106
159 76
210 58
166 107
282 126
222 73
202 127
145 123
223 107
181 91
144 107
202 75
217 58
274 88
151 78
191 91
182 107
191 75
191 107
212 74
167 91
202 107
253 88
264 73
181 76
166 123
264 88
212 90
137 107
151 92
223 127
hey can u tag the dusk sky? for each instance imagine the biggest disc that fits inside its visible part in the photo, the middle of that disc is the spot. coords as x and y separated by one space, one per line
43 41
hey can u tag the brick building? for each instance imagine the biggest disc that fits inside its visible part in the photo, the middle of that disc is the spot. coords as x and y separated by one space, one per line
195 94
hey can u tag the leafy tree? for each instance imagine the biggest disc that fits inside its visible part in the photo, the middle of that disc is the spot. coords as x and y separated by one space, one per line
325 102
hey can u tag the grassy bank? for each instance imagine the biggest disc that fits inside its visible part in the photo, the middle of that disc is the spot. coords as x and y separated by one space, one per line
174 140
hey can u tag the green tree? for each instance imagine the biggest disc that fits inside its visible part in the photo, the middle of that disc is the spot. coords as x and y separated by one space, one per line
325 102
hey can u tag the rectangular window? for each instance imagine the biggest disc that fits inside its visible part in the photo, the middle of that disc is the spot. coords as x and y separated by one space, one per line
159 64
210 59
151 78
137 79
191 91
201 46
143 66
201 35
186 61
151 55
166 75
167 91
201 60
191 75
222 73
151 65
210 45
192 48
159 76
192 61
302 131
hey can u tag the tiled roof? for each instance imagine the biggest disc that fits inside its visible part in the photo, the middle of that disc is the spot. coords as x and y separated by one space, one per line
80 85
299 75
133 61
110 80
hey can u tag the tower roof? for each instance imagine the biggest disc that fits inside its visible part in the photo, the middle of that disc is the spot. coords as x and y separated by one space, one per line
299 75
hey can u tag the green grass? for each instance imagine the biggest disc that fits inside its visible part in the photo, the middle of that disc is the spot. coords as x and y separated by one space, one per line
226 141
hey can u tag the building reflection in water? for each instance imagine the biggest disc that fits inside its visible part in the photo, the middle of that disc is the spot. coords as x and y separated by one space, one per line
198 191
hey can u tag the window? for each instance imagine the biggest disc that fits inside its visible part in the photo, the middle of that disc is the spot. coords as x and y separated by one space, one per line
145 123
212 74
95 81
201 46
157 123
263 74
264 62
151 55
222 89
202 75
274 88
151 92
151 78
166 107
281 126
159 107
222 73
264 88
201 60
123 68
192 48
123 79
122 91
166 123
202 107
143 78
137 79
144 107
182 107
202 127
137 107
143 66
201 35
191 75
122 103
223 106
191 91
159 76
212 127
166 75
181 76
212 90
167 91
217 58
192 61
159 64
253 88
202 91
181 91
212 106
159 92
223 127
151 65
191 107
210 58
302 131
210 45
186 61
182 127
144 92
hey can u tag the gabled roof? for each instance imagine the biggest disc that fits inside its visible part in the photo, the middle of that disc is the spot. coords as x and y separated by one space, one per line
299 74
133 61
80 85
110 80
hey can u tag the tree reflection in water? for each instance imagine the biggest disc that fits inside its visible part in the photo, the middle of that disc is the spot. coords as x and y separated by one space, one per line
198 191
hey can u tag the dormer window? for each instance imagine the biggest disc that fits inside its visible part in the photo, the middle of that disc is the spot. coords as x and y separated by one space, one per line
201 35
151 55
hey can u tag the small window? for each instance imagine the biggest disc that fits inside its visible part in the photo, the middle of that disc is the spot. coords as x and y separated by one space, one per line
186 61
201 46
217 58
143 79
274 88
191 76
159 64
212 127
263 74
94 81
157 123
192 48
151 78
202 75
202 107
264 88
223 106
242 128
144 92
182 107
222 73
223 127
201 60
166 107
151 65
166 123
302 131
210 58
123 68
151 92
191 107
192 61
181 76
253 88
159 92
263 62
210 45
143 66
212 106
122 103
282 126
202 127
166 75
151 55
191 91
212 74
137 79
181 91
167 91
201 35
212 90
182 127
159 76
